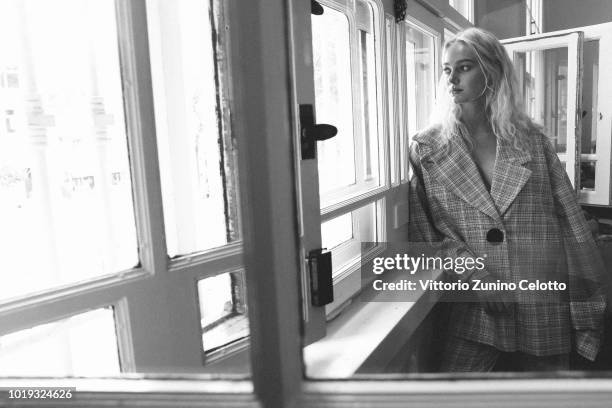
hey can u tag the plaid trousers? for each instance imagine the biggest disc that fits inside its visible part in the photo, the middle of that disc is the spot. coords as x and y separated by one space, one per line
461 355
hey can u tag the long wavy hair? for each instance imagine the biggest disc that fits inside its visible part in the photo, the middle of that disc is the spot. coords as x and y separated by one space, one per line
503 101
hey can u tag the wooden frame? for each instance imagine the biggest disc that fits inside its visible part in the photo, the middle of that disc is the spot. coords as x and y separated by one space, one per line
147 298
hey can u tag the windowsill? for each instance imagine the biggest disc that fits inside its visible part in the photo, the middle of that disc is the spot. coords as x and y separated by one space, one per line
367 334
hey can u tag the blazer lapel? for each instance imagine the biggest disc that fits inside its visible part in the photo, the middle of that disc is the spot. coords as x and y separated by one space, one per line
452 165
509 175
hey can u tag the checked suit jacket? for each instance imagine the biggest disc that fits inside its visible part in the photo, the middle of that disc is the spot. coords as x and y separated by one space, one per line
544 237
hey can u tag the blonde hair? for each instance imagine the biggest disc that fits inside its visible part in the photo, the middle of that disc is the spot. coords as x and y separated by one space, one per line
503 100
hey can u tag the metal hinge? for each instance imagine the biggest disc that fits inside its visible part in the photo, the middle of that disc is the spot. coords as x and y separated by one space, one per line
321 282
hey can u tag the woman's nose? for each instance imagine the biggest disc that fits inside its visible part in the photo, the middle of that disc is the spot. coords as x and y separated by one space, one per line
453 79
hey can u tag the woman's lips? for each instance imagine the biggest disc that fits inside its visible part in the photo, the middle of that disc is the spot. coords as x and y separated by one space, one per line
455 91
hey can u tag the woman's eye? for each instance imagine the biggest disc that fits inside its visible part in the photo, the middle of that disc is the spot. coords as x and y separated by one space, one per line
446 71
465 68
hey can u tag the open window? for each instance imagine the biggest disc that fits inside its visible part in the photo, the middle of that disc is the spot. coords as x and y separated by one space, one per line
549 72
351 169
562 90
118 191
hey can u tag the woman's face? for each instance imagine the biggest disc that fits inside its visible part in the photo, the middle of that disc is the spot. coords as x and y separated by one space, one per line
465 81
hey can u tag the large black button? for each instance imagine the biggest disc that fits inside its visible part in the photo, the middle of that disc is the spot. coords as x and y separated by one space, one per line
495 235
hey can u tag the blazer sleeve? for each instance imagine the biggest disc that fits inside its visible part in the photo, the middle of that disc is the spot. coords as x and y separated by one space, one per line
585 268
422 227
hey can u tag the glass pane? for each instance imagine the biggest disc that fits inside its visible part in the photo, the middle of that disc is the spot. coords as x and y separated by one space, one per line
336 231
463 7
368 92
420 56
587 175
334 98
543 77
81 345
363 228
223 310
590 79
420 86
198 199
65 187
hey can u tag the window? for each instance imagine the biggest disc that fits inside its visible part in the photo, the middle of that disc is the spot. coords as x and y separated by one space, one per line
347 57
464 7
199 201
65 184
81 172
276 344
64 347
223 312
418 78
347 87
548 71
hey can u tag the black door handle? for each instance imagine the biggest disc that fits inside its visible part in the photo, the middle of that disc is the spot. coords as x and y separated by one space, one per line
311 133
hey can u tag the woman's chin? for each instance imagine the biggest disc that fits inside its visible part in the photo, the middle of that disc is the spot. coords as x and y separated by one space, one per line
458 99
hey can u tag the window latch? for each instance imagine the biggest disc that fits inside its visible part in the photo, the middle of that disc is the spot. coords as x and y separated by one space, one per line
321 282
310 132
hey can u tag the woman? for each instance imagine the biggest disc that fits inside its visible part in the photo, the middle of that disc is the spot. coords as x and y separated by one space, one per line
487 183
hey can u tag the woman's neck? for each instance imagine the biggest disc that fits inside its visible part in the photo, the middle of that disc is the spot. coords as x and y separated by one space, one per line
474 117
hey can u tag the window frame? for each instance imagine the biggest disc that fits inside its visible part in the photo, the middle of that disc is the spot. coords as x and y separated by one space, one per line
361 189
573 42
270 249
406 137
142 348
346 281
602 193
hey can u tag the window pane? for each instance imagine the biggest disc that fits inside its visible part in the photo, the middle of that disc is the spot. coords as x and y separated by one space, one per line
463 7
81 345
368 92
223 310
197 187
420 86
420 59
590 115
334 98
336 231
364 228
65 187
543 76
587 175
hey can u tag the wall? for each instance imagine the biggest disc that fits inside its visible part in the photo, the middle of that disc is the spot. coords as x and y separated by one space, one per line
504 18
563 14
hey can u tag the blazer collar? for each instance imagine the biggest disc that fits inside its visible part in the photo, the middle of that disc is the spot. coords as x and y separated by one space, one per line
451 163
509 175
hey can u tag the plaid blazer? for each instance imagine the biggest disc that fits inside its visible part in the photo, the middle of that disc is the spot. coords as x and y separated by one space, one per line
544 236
